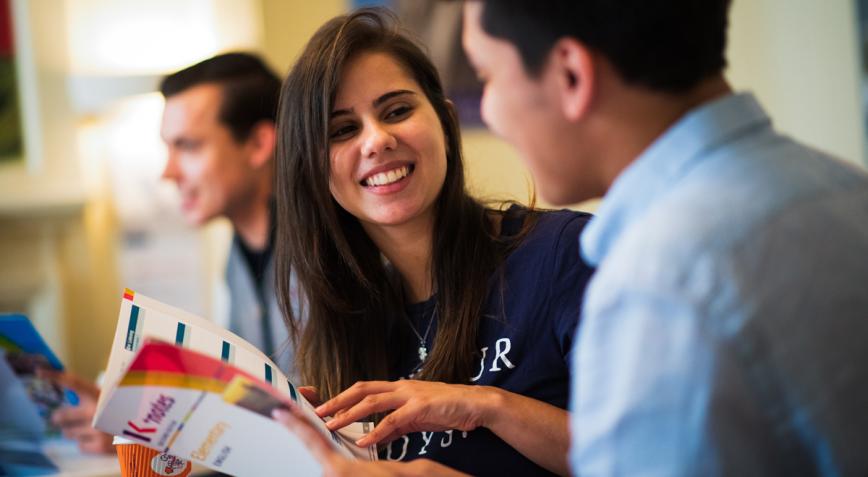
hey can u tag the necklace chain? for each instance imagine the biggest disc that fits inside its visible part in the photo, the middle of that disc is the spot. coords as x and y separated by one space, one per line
423 340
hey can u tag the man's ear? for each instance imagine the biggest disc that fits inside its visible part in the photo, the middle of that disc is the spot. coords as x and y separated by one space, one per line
574 67
261 143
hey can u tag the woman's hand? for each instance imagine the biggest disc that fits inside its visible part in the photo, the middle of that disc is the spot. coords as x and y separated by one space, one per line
534 428
416 405
311 394
336 465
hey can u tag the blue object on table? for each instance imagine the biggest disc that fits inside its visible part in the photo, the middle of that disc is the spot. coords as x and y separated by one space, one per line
20 420
24 460
17 333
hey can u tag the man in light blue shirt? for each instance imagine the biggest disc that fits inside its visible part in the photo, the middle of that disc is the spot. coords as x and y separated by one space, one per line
726 329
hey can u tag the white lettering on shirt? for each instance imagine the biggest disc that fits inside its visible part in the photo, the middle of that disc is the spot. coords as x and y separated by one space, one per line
501 354
446 443
426 436
502 347
481 366
403 450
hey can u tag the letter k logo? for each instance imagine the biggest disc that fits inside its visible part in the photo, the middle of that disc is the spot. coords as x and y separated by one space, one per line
139 431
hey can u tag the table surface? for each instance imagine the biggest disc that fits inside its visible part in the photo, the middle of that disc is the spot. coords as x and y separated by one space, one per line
72 463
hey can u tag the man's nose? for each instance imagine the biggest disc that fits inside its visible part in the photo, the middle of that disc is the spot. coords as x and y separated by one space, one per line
171 171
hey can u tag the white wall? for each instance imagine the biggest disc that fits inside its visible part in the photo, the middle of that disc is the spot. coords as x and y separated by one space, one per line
801 59
72 230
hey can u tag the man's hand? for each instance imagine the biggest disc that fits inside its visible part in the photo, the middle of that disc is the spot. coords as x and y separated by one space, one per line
75 421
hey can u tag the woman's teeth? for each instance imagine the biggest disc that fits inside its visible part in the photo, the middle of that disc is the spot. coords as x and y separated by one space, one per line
389 177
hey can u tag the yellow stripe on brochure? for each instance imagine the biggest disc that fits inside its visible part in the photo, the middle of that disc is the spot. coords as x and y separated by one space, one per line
172 380
236 390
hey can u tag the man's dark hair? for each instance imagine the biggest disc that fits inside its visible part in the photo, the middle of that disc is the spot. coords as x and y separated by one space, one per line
250 89
667 46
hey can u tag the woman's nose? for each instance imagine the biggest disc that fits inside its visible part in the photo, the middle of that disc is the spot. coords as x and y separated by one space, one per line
377 140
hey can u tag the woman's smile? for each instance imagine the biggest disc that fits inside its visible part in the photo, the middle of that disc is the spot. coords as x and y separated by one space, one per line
388 181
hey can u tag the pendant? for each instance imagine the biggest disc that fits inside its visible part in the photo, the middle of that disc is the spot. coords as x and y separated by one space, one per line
423 352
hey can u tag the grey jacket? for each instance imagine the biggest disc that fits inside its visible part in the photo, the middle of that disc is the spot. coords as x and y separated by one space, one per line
247 315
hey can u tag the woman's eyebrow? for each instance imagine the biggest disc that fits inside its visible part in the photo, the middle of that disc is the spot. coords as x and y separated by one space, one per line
377 102
391 94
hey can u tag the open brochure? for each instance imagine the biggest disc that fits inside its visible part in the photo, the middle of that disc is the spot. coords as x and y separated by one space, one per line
182 385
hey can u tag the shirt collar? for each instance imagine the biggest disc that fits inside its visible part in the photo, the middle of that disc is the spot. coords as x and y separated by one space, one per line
683 145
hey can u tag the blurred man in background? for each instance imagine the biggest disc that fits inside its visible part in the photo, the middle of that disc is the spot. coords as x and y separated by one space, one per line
218 125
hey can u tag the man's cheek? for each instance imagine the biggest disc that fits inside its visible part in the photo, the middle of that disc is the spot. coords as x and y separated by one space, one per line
494 114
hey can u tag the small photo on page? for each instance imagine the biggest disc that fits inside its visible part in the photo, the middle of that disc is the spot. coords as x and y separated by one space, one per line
248 395
244 393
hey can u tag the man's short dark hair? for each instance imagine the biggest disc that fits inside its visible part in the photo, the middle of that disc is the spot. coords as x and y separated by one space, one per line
668 45
250 89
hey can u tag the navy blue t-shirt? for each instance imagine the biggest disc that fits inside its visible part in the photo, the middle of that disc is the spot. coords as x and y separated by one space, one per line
525 350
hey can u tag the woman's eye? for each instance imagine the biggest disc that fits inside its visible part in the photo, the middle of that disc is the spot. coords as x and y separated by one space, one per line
342 132
399 112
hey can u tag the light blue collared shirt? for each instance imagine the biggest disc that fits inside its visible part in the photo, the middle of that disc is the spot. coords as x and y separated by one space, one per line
726 329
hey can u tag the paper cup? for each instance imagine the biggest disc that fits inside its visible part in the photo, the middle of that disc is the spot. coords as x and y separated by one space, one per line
139 461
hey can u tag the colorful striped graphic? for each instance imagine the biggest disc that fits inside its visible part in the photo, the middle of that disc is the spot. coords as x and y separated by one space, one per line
182 335
164 364
184 422
227 354
129 294
161 364
134 327
173 380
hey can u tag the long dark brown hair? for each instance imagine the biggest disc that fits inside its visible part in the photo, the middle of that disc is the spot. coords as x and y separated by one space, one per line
350 300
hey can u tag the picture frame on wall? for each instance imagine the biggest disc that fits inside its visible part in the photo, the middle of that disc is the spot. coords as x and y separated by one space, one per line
862 17
437 25
11 128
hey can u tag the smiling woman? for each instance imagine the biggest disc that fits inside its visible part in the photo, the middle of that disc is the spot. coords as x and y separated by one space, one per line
388 157
454 317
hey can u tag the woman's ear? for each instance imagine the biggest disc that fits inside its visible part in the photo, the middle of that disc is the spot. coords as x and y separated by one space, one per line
261 143
574 68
